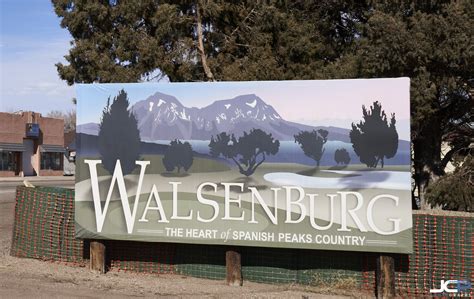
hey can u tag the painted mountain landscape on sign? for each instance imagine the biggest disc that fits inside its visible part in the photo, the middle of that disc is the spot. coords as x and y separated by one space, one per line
163 117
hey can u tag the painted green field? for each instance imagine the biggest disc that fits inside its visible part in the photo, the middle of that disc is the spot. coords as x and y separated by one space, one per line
203 165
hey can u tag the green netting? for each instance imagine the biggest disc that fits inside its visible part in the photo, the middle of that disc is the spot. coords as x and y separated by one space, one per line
443 249
203 261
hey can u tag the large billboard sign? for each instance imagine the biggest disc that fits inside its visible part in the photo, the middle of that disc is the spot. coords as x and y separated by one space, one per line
291 164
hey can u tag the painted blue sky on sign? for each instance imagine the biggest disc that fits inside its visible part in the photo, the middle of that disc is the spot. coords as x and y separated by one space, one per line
318 102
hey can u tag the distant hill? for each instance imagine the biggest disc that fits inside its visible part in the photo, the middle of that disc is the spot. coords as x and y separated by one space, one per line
88 128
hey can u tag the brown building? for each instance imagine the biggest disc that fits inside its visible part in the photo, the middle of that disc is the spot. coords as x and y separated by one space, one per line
30 144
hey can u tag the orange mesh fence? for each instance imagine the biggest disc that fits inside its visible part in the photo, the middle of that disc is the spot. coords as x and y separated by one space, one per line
443 249
44 225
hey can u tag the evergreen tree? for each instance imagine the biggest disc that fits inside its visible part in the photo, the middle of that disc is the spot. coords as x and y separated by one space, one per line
119 138
455 191
125 41
178 155
373 138
312 143
428 41
248 152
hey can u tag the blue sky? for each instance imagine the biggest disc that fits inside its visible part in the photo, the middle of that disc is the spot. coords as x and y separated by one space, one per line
31 42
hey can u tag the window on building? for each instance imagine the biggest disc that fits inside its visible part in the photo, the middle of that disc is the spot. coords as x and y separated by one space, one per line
7 161
51 161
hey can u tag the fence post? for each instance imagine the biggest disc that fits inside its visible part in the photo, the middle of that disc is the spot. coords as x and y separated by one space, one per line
97 256
385 276
233 264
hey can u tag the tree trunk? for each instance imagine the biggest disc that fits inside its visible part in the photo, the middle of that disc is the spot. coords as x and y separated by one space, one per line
426 161
429 178
254 167
241 169
200 46
376 162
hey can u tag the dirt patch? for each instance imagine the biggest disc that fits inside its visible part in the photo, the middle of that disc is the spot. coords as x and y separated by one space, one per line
27 277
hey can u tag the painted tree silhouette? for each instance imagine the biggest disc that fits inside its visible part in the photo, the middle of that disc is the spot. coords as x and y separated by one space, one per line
312 143
341 156
178 155
374 138
119 138
248 152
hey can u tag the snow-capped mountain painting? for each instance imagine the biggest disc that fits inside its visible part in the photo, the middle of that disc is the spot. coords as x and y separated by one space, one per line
163 117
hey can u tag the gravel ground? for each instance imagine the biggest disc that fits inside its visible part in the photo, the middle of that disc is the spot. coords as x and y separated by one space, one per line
34 278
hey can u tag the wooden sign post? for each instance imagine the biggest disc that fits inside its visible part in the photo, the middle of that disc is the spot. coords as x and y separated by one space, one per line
97 256
385 276
233 264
